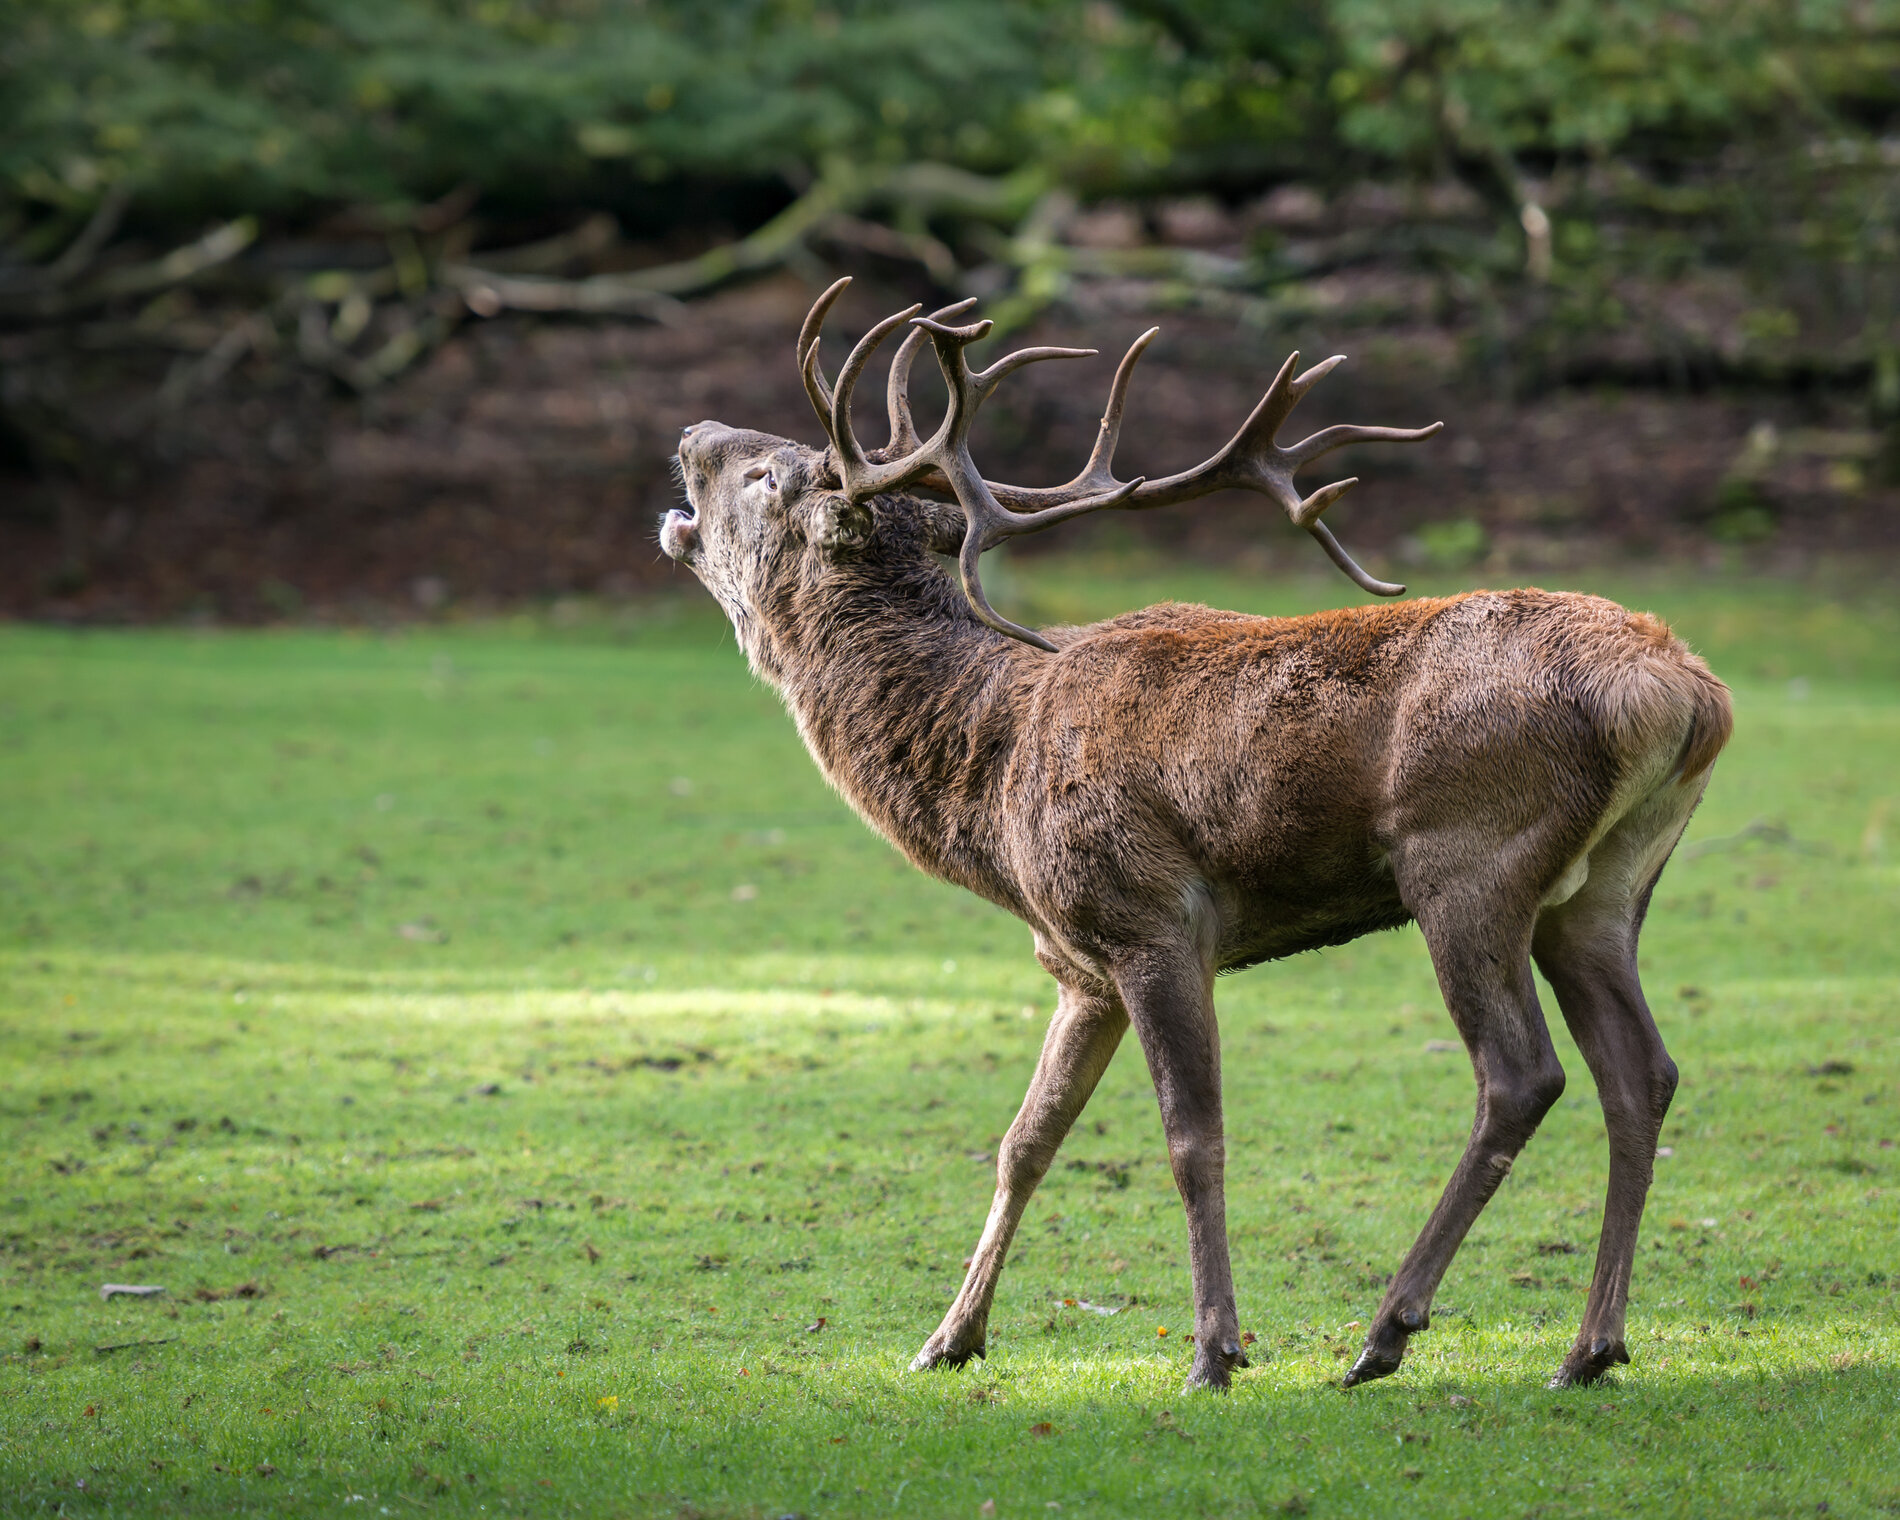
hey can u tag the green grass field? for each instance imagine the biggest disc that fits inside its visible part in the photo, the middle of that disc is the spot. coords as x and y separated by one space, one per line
538 1095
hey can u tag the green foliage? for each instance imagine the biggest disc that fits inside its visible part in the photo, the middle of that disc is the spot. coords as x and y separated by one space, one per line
540 1197
280 105
1423 77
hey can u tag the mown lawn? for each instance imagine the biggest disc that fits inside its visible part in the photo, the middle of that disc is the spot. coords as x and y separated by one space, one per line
537 1095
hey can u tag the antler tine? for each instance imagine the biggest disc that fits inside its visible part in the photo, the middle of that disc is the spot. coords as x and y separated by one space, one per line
1302 383
983 382
980 604
959 338
1101 463
1271 409
1339 435
850 457
813 376
897 389
953 432
1012 524
1306 512
979 384
1336 552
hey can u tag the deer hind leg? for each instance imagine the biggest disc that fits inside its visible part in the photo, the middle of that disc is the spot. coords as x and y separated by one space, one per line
1169 996
1480 943
1082 1039
1586 946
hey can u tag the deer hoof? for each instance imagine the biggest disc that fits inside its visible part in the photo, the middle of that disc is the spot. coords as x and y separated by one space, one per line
942 1353
1586 1364
1211 1375
1213 1370
1374 1362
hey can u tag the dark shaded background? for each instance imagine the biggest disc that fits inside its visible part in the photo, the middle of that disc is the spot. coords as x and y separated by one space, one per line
345 309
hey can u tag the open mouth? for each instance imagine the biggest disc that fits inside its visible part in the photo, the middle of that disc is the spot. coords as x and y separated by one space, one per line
679 531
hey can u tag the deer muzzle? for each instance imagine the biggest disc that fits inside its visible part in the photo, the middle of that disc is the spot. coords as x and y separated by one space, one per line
679 533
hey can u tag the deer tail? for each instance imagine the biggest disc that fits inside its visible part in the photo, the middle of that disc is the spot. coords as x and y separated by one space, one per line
1711 721
1667 713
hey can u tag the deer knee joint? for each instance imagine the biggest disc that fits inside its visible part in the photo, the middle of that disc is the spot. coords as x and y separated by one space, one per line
1662 1083
1198 1157
1020 1165
1516 1106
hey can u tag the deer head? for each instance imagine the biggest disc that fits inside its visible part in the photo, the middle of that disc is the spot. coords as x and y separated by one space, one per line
756 503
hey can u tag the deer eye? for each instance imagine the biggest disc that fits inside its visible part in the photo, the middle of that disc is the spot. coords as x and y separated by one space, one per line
764 473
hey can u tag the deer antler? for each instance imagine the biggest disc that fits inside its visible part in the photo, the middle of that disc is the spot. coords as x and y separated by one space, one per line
994 511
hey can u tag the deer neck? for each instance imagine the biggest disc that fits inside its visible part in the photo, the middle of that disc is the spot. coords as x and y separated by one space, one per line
904 700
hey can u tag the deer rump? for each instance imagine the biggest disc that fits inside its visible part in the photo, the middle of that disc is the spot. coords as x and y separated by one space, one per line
1181 791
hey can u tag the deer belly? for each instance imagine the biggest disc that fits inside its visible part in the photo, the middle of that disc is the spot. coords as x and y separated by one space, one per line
1275 923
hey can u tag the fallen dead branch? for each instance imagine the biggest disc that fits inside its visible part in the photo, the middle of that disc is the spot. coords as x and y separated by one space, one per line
829 209
45 298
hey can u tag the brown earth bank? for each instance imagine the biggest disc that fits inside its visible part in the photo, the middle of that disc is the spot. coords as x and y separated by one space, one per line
531 458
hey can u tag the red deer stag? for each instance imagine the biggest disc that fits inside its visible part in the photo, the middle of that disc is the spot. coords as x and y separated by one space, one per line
1180 791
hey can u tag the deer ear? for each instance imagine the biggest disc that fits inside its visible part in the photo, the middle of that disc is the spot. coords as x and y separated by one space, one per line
843 526
944 526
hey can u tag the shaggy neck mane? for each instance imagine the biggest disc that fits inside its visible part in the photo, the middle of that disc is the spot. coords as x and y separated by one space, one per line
902 696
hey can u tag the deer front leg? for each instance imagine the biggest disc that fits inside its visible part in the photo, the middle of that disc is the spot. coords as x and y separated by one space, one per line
1082 1038
1169 997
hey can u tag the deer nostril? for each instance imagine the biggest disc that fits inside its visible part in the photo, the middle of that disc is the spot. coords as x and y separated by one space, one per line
687 431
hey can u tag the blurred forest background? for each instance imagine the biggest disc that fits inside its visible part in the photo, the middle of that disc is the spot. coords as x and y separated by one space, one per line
345 305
